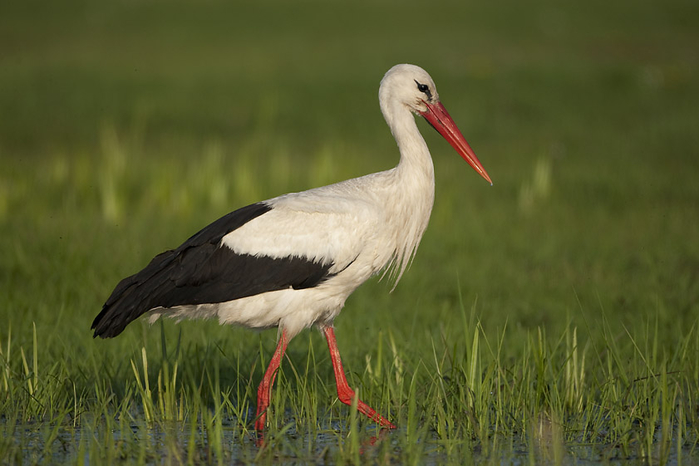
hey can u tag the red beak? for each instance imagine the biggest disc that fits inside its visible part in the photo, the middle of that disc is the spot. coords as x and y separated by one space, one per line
440 120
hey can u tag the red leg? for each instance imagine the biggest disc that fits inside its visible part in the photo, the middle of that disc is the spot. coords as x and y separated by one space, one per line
265 389
344 392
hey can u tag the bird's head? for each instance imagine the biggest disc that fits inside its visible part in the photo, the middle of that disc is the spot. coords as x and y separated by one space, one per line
412 87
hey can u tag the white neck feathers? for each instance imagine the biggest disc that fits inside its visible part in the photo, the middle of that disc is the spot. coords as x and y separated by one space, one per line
412 181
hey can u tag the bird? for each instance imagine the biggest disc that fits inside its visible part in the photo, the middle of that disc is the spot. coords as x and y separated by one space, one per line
292 261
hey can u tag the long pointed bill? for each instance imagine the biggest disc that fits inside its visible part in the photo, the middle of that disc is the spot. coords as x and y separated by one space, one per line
440 120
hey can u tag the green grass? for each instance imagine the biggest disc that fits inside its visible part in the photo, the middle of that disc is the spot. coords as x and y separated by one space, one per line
551 318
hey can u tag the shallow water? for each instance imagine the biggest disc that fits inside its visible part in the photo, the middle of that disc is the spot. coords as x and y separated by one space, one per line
179 443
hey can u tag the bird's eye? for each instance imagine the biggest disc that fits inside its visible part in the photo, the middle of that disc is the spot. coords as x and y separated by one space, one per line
425 89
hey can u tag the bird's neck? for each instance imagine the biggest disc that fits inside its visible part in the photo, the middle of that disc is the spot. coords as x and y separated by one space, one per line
413 181
415 158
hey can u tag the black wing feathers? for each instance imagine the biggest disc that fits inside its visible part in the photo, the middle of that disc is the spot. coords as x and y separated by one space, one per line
200 271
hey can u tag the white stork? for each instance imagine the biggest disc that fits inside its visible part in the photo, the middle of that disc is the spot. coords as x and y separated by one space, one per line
291 262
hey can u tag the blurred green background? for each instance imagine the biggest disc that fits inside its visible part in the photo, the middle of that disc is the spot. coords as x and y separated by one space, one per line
126 126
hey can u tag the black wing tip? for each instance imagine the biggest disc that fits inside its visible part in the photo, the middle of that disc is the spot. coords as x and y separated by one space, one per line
104 335
96 324
99 330
105 326
107 331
